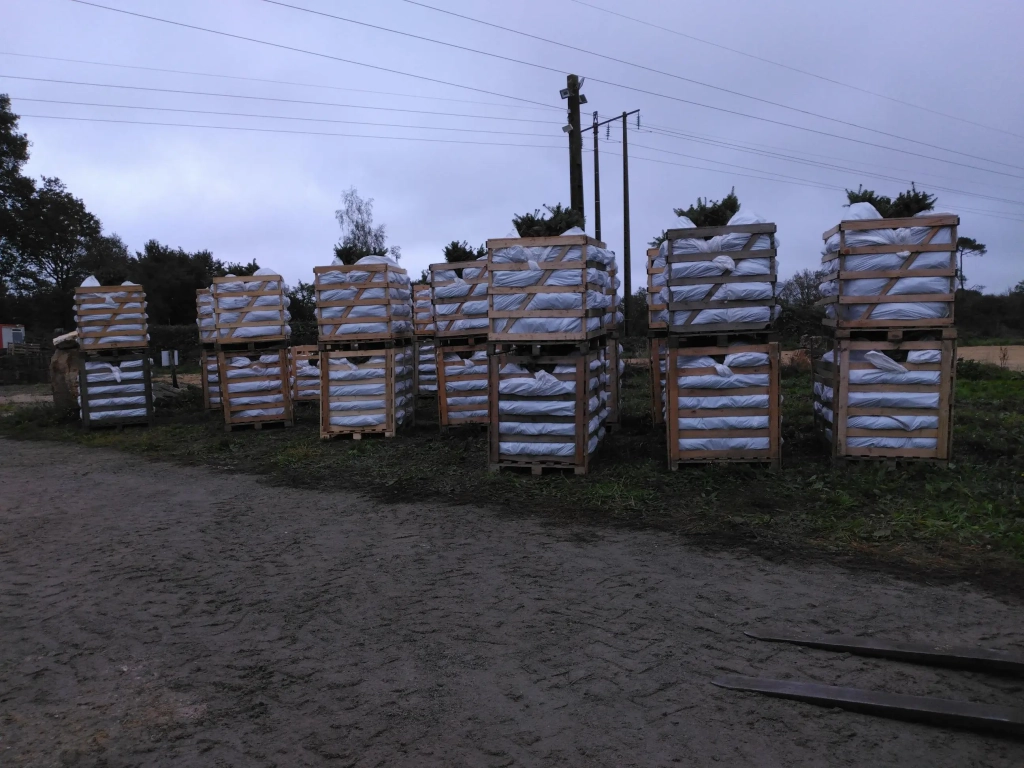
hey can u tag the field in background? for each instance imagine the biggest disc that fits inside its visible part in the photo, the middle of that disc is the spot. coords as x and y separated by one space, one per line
967 520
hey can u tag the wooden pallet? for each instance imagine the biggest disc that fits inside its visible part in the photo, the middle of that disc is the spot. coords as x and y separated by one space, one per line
579 460
678 457
336 329
439 279
309 353
654 304
120 305
449 415
421 294
659 349
425 353
615 390
550 348
232 409
394 381
232 334
499 318
838 379
755 231
204 300
91 412
835 263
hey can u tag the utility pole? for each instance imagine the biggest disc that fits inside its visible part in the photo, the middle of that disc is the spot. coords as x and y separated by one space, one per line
627 281
572 83
597 185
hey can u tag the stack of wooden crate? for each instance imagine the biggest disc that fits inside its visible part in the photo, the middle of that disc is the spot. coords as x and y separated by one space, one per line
715 369
423 320
551 302
115 378
367 349
251 345
304 362
884 378
459 297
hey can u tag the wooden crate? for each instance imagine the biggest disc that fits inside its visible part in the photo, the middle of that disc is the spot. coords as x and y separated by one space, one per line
459 414
444 323
835 263
583 314
92 415
204 301
211 389
338 329
394 369
254 287
755 231
773 410
117 305
654 304
659 347
304 353
422 295
838 432
613 356
579 459
275 371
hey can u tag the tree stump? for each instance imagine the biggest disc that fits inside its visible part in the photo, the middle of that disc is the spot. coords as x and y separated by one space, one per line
64 367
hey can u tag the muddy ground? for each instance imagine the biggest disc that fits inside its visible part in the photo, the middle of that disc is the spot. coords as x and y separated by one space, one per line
154 615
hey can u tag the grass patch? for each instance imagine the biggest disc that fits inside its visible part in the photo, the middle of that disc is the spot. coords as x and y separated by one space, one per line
966 520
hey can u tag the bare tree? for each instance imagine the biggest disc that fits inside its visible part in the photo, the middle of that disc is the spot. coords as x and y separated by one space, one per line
359 237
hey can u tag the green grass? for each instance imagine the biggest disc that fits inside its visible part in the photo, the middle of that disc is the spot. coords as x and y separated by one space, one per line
966 520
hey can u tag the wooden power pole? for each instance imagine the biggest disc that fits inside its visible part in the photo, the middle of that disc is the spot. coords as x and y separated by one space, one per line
575 145
597 184
627 279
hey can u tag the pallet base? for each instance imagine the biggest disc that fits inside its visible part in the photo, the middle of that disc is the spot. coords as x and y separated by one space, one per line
537 467
258 426
358 435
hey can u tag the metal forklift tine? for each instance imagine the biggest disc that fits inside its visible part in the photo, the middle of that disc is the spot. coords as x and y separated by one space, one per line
924 709
976 659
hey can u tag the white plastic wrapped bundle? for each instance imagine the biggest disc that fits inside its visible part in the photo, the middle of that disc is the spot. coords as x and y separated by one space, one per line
706 408
466 391
110 317
251 308
212 373
537 410
728 277
369 299
257 388
887 410
204 316
114 391
423 310
528 288
426 370
460 300
904 255
368 391
305 376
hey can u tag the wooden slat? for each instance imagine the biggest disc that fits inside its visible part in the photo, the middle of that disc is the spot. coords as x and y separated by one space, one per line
739 229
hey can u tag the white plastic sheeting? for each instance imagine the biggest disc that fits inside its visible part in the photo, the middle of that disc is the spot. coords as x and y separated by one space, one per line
466 386
543 394
391 287
886 371
243 386
899 239
129 316
717 267
538 262
423 309
264 316
728 375
306 381
426 370
212 374
462 296
362 383
204 317
121 386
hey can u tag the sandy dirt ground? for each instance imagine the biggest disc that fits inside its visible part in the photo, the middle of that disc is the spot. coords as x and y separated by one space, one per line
154 615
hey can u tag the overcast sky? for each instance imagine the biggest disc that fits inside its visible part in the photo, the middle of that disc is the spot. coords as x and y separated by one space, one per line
271 195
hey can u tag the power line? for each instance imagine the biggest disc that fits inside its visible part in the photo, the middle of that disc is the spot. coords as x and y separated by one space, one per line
299 133
796 69
310 53
280 117
829 166
274 82
274 99
501 57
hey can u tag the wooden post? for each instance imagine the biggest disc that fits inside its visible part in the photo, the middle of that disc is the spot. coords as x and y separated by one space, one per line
597 185
575 146
627 280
